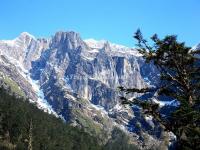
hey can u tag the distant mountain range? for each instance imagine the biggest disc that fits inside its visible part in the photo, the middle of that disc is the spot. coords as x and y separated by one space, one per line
77 80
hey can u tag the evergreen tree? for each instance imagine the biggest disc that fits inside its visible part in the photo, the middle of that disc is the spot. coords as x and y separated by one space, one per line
179 69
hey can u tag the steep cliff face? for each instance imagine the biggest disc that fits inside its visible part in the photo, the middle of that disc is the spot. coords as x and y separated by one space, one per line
86 69
15 62
78 78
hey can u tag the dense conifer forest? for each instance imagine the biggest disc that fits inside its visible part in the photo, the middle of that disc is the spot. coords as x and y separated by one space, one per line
23 126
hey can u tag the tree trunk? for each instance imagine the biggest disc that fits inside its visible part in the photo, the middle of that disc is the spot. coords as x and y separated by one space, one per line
30 136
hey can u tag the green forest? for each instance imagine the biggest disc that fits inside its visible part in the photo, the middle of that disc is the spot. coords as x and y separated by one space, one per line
23 126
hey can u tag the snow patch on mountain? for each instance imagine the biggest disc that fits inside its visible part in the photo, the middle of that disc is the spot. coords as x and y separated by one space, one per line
174 103
100 108
94 44
41 102
196 47
149 119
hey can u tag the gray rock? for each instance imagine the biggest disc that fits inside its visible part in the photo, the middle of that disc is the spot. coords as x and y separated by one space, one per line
79 79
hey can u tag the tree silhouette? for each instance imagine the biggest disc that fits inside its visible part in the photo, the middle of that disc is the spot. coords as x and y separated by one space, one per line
179 68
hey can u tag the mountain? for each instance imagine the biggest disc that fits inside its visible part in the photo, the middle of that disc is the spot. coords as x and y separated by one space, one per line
77 80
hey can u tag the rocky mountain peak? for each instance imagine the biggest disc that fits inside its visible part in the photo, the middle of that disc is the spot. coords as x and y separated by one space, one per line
70 40
25 35
24 40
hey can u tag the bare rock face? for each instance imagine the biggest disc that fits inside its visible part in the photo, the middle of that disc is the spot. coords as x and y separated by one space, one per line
79 79
92 74
24 48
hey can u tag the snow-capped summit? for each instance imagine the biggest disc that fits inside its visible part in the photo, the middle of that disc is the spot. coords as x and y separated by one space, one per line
115 49
94 44
26 34
23 38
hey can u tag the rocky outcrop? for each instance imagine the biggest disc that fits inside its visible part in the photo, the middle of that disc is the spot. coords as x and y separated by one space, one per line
13 73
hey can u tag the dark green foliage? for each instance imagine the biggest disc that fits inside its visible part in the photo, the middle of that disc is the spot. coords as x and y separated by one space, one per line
180 80
22 123
119 141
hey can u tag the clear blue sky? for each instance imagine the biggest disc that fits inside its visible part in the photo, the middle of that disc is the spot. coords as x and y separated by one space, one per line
113 20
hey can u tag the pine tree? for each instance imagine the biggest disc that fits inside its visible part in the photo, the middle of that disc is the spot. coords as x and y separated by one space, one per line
179 68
